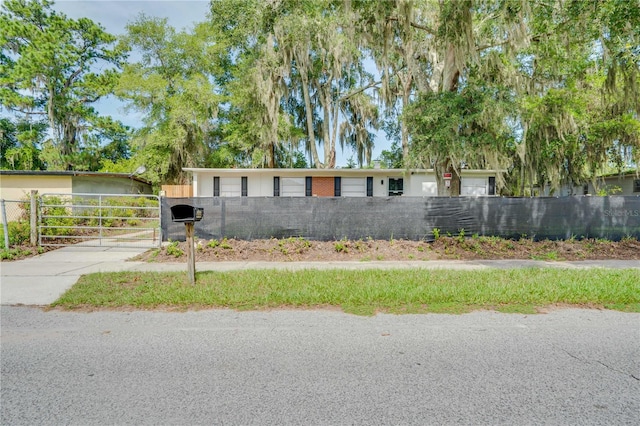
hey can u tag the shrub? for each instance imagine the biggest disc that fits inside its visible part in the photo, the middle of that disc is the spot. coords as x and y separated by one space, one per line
174 250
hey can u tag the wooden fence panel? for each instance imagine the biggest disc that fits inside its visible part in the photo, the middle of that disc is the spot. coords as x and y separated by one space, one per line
177 191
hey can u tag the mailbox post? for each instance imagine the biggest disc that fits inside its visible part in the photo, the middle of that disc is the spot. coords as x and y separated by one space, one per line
188 215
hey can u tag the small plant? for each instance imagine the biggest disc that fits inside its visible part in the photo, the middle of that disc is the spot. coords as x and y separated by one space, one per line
460 236
11 254
420 249
342 246
436 233
174 250
549 256
213 243
225 244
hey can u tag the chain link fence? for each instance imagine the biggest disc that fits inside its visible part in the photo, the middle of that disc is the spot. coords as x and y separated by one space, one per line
16 227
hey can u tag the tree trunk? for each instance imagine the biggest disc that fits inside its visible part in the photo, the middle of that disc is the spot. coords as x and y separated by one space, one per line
309 115
450 77
404 131
452 189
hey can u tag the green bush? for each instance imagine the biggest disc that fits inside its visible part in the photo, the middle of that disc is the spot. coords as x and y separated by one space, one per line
55 216
19 233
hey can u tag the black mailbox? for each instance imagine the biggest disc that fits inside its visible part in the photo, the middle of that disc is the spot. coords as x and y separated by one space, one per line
186 213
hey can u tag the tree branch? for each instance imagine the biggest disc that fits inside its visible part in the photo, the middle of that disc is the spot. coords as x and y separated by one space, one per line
414 25
360 90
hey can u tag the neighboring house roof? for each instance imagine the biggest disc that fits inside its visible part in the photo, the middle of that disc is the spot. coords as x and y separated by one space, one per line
73 173
627 173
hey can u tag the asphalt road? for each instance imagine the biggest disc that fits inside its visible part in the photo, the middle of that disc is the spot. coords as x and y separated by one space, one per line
569 366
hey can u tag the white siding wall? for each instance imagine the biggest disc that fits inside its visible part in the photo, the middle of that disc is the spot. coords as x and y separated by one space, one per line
292 187
474 186
230 187
419 185
205 185
429 189
260 184
354 187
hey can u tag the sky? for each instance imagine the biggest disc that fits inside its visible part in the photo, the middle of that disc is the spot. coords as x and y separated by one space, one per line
114 16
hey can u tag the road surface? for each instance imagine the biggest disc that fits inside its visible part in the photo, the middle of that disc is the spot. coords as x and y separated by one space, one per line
568 366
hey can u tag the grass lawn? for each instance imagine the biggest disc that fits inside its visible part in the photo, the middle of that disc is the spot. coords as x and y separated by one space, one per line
361 292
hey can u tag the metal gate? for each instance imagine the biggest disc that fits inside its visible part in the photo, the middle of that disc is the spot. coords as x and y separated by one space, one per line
112 220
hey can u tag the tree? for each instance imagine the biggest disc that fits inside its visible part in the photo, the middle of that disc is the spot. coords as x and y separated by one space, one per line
20 144
295 75
580 97
172 86
48 68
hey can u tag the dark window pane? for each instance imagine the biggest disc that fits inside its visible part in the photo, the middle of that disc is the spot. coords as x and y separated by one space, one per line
216 186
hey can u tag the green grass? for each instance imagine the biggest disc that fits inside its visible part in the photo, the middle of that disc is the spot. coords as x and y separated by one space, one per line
361 292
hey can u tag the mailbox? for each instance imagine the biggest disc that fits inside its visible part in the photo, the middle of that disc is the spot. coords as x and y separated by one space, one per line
185 213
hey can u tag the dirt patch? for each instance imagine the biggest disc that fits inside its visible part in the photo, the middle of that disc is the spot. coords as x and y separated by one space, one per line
459 248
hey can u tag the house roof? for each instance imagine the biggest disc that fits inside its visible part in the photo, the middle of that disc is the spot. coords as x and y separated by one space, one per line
332 172
73 173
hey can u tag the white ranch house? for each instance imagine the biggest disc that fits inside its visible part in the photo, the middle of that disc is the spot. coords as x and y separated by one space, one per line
332 182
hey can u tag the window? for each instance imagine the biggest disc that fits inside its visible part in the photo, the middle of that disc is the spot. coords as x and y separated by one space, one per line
216 186
492 185
636 185
396 186
369 186
276 186
243 185
337 186
307 186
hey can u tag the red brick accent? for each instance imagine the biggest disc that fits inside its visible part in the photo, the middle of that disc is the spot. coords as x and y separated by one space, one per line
322 186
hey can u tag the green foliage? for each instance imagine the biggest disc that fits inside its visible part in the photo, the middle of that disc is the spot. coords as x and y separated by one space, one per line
20 144
56 217
48 65
550 94
172 86
174 250
342 246
224 244
19 233
14 253
392 158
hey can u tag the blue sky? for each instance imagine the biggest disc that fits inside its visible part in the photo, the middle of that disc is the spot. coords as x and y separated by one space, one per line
114 15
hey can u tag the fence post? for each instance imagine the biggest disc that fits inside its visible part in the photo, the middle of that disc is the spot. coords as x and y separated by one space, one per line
191 255
5 227
34 217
